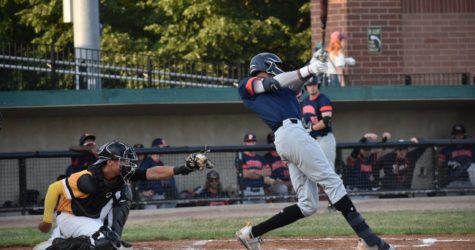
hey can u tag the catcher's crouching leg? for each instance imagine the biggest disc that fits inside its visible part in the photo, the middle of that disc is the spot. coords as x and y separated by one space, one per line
104 239
77 243
120 210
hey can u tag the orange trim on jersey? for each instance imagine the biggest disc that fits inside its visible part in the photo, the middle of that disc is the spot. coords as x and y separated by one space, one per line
250 86
326 108
308 109
65 198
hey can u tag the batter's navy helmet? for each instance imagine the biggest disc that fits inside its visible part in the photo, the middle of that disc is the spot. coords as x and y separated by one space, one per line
119 151
265 62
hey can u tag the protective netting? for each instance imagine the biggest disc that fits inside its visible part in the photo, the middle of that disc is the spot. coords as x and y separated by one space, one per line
378 172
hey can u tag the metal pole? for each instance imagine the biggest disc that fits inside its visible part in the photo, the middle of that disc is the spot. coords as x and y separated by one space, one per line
54 76
87 40
22 181
149 71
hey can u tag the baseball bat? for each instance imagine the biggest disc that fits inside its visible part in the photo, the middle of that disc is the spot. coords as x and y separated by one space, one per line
323 19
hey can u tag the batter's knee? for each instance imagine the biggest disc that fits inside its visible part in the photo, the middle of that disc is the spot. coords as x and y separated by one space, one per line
307 208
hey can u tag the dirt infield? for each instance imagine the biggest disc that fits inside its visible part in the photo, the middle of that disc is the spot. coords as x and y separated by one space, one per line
401 241
439 242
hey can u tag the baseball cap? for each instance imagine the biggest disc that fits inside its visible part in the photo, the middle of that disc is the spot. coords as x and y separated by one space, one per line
337 35
270 137
85 137
458 129
212 175
139 145
159 142
249 137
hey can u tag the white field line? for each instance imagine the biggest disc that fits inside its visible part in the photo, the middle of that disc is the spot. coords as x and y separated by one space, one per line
423 242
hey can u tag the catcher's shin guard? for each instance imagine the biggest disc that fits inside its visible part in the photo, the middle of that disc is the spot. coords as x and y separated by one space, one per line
106 239
120 210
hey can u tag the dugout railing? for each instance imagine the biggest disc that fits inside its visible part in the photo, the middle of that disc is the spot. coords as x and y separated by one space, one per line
48 67
25 176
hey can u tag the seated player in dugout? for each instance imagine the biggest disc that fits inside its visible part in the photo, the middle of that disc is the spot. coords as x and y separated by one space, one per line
213 190
360 171
455 162
87 146
398 166
94 204
254 172
279 180
157 190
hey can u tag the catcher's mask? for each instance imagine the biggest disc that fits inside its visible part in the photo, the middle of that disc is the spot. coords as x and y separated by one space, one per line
123 153
265 62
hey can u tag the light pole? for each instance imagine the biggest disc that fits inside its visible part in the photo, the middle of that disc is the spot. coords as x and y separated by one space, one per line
85 17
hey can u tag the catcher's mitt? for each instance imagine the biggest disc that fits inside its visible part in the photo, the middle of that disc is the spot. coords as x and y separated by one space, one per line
198 161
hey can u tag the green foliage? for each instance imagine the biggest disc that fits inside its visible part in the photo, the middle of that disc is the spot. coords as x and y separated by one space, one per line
196 30
46 20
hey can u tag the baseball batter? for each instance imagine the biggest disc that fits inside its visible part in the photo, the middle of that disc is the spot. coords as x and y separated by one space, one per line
94 203
271 94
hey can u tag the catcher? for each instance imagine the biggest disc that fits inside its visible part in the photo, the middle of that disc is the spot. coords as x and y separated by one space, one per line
94 203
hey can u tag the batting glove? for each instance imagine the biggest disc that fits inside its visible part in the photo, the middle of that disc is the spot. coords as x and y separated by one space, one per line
317 67
350 61
318 63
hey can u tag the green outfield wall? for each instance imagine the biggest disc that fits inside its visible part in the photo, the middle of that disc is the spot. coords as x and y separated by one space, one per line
48 120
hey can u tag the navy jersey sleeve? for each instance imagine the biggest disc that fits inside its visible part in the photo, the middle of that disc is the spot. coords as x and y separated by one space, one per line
325 104
246 88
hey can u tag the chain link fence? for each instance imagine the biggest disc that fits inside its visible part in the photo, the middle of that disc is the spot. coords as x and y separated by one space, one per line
45 67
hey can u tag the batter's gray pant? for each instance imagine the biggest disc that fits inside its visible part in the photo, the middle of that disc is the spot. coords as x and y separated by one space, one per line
308 166
328 145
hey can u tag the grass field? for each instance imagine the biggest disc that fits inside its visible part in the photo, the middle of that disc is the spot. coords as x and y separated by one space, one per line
433 222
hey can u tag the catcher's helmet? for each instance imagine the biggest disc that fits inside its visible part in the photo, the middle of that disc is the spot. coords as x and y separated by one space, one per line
265 62
119 151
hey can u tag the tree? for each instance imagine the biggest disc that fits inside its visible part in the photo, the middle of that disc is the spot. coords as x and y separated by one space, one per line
184 31
232 31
